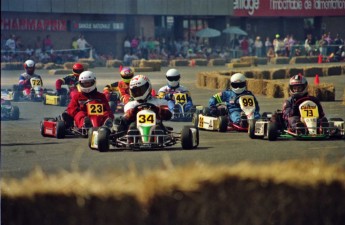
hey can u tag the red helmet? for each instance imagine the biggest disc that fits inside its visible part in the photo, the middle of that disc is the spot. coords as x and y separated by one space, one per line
127 74
78 68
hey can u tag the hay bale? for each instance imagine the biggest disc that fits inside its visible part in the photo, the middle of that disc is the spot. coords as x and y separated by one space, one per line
59 72
90 62
199 62
142 69
238 65
299 60
313 59
252 60
12 66
278 74
248 73
113 63
280 60
312 71
262 60
223 83
293 71
225 73
136 62
216 62
212 81
324 91
179 62
256 86
332 70
39 66
344 97
201 79
275 89
262 74
235 60
154 64
51 66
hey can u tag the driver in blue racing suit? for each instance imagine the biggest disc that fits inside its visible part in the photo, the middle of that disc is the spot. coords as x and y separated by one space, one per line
231 98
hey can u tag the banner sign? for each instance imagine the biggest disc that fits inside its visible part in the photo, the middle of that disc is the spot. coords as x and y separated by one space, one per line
96 26
33 24
278 8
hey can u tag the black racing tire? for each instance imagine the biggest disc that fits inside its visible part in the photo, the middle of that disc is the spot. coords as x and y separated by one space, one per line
186 138
90 131
206 111
272 131
44 99
63 100
60 129
103 139
14 114
195 120
197 135
223 124
16 95
251 129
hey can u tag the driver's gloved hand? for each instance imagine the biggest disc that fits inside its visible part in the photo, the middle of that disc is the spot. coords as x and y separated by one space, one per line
169 96
214 111
58 92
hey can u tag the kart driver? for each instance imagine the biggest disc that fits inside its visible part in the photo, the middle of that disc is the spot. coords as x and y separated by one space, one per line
231 99
167 92
122 86
71 80
76 108
24 78
140 89
298 89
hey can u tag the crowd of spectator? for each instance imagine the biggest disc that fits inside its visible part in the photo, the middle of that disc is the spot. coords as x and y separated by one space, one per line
12 48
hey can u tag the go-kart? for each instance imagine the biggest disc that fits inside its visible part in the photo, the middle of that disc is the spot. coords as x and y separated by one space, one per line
115 103
9 111
179 112
273 126
7 94
64 125
36 93
51 97
220 122
149 133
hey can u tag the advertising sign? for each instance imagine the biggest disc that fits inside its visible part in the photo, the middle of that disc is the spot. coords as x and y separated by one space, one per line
25 24
97 26
278 8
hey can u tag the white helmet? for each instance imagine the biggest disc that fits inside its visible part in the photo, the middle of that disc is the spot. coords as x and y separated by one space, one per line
173 76
29 66
238 83
87 81
140 87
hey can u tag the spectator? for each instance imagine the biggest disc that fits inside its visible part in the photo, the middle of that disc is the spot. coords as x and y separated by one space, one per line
268 44
323 45
11 43
245 46
82 46
258 46
127 45
270 54
308 45
47 44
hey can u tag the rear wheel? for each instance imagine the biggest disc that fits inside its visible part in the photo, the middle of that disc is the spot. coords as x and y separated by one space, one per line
16 95
103 139
223 123
272 131
14 113
186 138
251 128
195 120
44 98
60 129
113 106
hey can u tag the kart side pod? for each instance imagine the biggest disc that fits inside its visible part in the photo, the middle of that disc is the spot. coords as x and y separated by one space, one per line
51 128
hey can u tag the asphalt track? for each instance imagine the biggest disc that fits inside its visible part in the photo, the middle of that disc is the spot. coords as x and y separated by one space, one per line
23 148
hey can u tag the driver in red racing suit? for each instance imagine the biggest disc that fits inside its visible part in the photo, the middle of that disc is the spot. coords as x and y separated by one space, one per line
70 80
76 108
298 89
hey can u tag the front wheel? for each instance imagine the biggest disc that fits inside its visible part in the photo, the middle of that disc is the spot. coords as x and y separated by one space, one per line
251 128
272 131
223 123
14 113
103 139
60 129
187 138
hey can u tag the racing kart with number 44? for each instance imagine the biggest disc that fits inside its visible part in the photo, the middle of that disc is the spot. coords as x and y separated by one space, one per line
149 133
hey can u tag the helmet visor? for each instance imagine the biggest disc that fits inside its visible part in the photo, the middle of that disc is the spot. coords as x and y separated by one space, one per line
297 88
238 85
139 91
87 83
174 78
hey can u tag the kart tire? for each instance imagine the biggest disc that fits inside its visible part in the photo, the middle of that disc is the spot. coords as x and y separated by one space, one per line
14 114
186 138
16 95
251 129
266 115
60 129
44 99
197 134
272 131
90 131
335 119
223 124
113 106
206 111
103 139
195 120
63 100
42 129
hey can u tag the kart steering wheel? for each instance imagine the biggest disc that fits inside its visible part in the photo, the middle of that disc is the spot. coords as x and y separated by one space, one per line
144 105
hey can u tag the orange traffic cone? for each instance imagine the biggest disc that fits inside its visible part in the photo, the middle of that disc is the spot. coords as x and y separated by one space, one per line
316 80
319 60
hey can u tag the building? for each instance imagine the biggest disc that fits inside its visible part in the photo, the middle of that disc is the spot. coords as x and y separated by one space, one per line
106 23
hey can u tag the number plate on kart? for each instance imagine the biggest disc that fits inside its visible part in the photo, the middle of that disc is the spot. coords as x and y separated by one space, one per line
35 82
147 118
180 98
95 109
309 109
